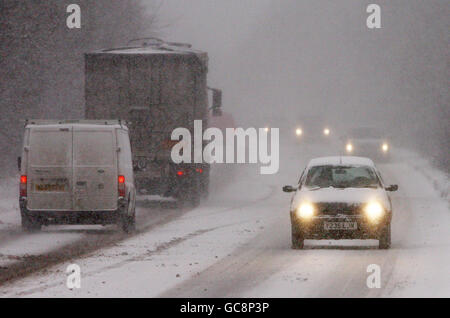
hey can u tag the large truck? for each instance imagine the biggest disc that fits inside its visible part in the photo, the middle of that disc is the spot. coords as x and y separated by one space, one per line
156 87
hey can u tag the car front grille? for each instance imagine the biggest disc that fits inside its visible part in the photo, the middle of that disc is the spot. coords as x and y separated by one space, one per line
338 208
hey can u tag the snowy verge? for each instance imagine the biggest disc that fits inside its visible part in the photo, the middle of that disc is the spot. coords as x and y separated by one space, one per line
440 180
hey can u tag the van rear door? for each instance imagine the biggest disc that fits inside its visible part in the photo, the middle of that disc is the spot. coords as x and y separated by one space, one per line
94 169
50 168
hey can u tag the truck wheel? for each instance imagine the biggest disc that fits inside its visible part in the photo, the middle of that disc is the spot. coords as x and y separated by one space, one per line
204 193
30 224
195 193
190 194
204 185
298 241
385 238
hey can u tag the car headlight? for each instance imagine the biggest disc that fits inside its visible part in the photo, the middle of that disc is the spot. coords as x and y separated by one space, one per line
299 132
305 210
385 147
326 132
349 147
374 211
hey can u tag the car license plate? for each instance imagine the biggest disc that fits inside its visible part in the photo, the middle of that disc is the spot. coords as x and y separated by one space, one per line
340 226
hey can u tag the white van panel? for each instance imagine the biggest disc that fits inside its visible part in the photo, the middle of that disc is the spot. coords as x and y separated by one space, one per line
94 169
50 169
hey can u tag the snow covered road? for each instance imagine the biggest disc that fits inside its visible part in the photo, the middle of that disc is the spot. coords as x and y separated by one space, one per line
237 244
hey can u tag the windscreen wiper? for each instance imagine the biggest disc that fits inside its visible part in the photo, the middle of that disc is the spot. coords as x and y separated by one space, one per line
317 188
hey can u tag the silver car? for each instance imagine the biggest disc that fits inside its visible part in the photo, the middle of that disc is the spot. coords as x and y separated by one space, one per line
341 198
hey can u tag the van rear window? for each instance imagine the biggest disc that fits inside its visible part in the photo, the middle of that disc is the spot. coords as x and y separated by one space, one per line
50 148
93 148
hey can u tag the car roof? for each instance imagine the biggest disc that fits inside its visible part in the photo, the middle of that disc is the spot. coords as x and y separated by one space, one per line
341 160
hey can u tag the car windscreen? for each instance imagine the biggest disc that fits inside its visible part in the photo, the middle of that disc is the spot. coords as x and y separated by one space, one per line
342 177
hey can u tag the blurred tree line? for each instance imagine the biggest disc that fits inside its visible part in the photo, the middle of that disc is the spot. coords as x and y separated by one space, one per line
41 59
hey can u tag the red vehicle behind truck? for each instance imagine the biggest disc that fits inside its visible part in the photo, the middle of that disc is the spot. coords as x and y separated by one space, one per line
156 87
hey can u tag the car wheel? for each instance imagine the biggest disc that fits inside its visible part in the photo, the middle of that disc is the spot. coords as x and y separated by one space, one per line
385 238
30 224
297 239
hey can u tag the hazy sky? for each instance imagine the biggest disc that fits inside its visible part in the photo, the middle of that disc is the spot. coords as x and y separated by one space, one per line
283 60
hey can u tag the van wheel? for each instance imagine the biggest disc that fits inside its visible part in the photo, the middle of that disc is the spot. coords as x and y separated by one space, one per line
385 238
128 223
30 224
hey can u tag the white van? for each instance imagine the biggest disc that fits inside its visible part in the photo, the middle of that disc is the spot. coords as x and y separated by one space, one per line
76 172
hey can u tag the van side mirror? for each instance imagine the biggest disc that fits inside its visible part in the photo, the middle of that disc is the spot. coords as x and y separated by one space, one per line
392 188
19 163
289 189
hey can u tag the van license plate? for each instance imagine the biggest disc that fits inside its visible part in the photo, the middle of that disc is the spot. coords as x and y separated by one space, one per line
50 187
340 226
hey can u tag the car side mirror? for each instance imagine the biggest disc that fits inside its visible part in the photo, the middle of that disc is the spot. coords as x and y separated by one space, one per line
392 188
289 189
19 163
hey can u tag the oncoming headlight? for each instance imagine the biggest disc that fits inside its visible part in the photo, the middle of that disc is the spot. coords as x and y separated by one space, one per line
349 147
305 210
298 131
374 211
385 147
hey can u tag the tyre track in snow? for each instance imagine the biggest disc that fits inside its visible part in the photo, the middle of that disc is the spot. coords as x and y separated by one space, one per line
94 240
91 241
155 213
161 247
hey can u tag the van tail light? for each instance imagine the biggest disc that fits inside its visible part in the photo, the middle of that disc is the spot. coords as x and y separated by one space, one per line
180 173
199 170
121 186
23 186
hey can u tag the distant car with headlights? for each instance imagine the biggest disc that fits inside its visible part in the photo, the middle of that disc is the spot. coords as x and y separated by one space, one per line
368 142
341 198
312 129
